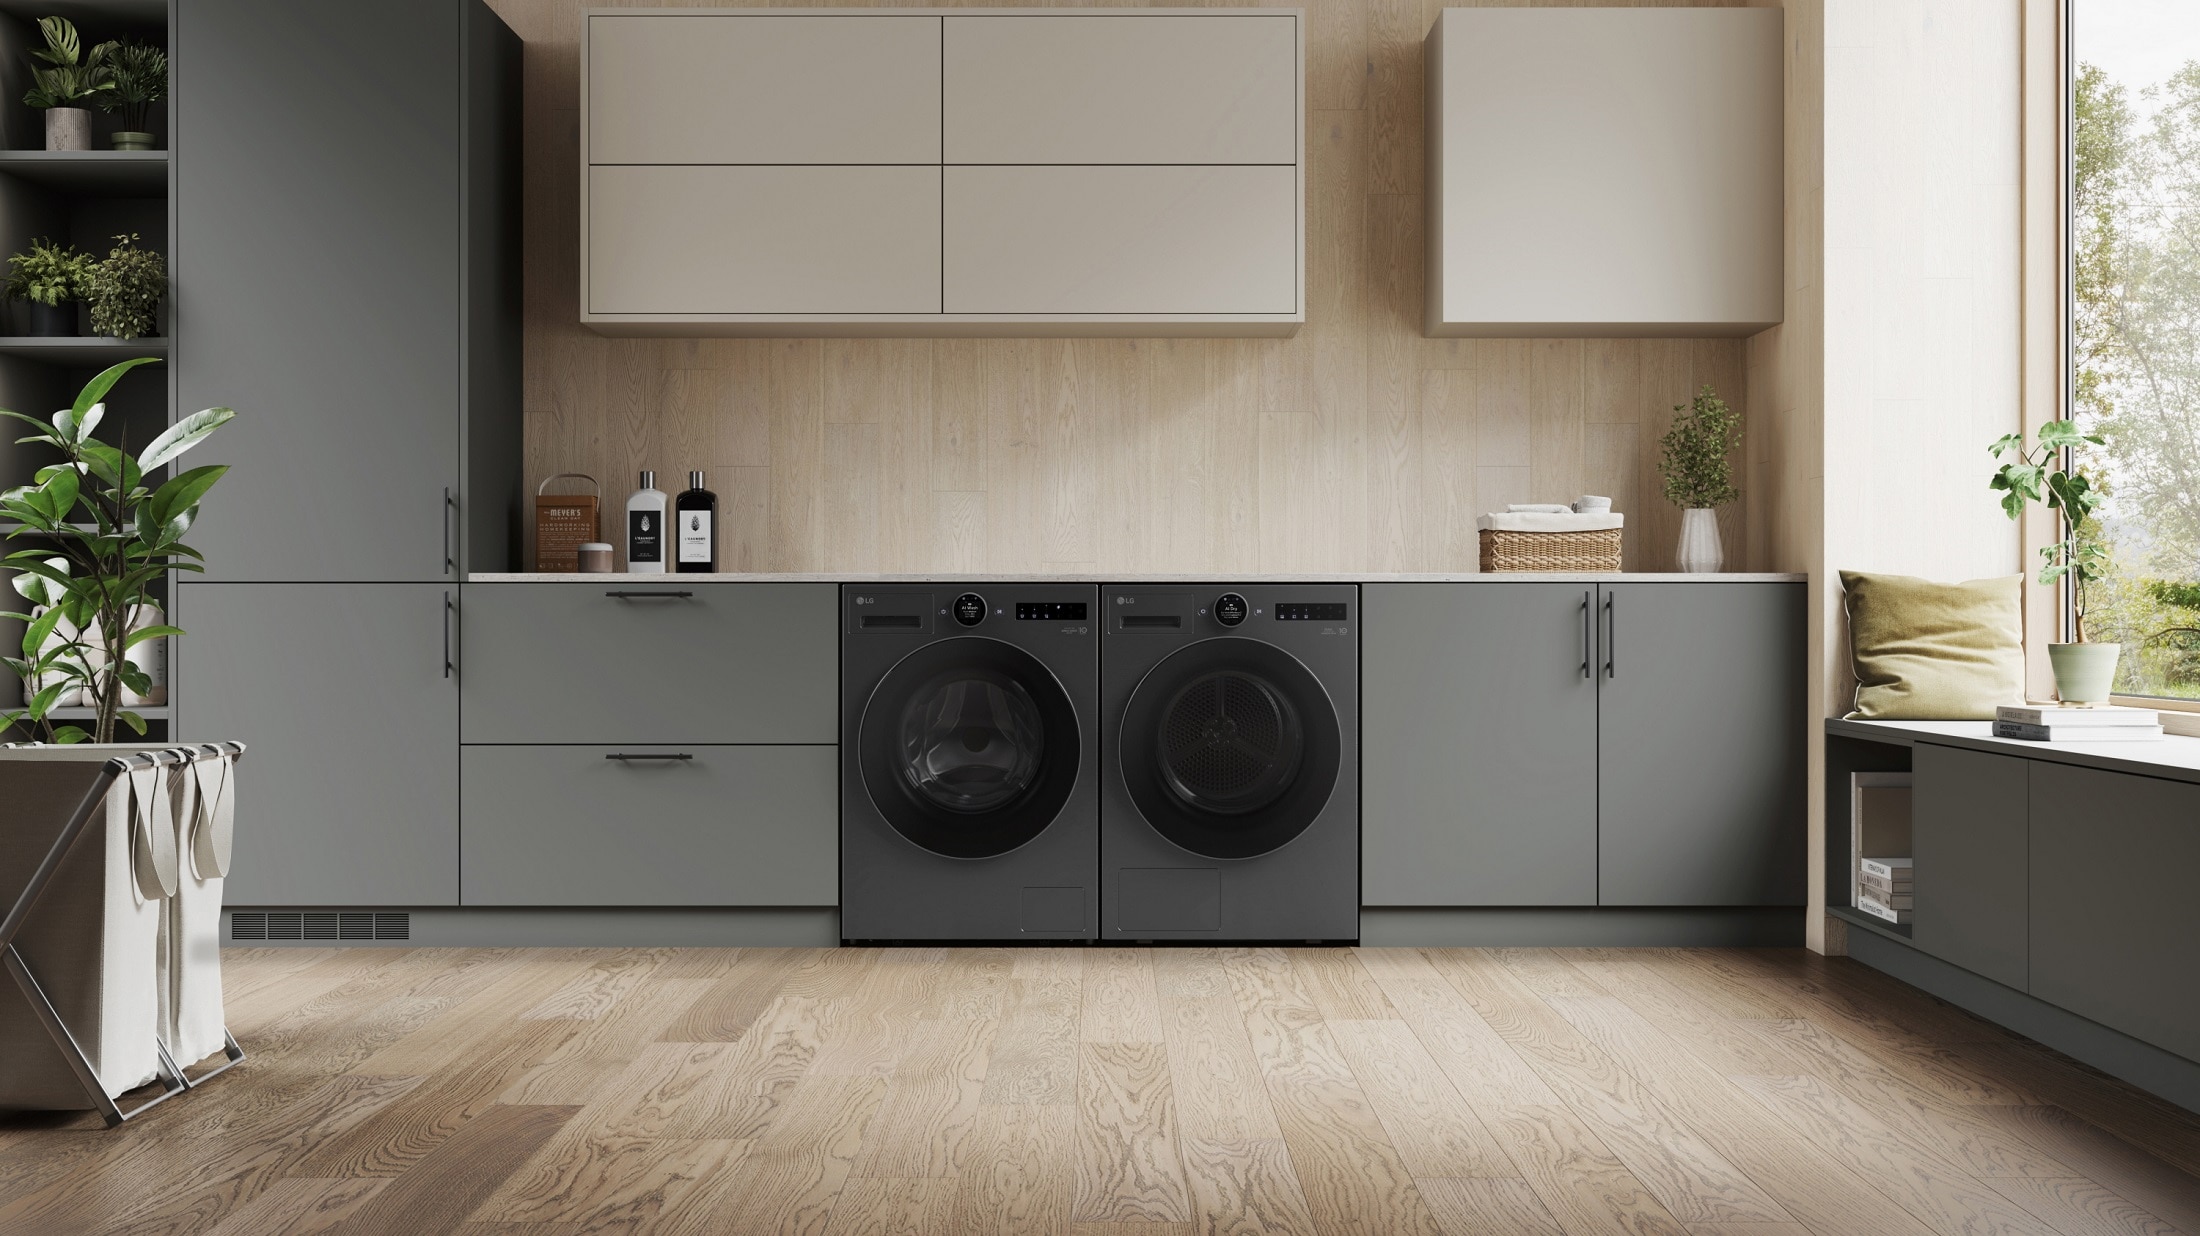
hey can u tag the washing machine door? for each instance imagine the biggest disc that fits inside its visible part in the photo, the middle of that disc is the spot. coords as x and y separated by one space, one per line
1230 747
969 747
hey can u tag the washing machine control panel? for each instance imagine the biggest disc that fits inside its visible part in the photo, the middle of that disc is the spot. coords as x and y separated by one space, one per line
1050 611
1287 611
1231 609
969 609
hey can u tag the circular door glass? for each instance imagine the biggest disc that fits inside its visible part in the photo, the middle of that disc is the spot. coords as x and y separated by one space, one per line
971 742
969 747
1230 748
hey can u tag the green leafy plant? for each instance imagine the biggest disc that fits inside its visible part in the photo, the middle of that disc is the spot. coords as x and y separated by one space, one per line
62 75
1695 463
50 274
137 79
105 538
125 288
2043 473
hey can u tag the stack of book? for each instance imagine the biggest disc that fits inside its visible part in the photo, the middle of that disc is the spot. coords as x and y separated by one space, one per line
1883 888
2052 723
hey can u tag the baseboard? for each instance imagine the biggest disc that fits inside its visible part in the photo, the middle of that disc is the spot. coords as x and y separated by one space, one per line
1584 927
446 927
2158 1072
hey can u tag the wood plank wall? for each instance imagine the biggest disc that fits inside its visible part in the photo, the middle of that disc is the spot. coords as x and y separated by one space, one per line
1357 445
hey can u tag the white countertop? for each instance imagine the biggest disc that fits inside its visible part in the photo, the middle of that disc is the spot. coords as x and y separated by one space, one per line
2173 756
1133 577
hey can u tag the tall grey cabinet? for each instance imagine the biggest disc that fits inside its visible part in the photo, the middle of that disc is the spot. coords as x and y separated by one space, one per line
347 273
1575 744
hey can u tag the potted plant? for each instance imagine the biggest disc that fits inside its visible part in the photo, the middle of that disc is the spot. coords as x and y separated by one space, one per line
63 79
137 78
1699 478
2085 672
114 538
124 290
50 278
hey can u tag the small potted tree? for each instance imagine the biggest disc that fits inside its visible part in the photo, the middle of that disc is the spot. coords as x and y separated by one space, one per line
1699 477
124 290
2085 672
49 280
104 539
63 79
137 79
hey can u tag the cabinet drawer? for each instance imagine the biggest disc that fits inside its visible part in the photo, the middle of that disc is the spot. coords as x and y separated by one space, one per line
764 240
763 88
1969 821
1121 240
727 663
726 826
1121 88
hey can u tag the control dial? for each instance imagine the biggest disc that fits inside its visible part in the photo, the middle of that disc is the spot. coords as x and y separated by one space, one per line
1230 609
970 609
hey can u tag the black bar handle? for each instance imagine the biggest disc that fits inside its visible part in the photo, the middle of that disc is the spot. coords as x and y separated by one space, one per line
450 560
1588 641
448 609
1611 638
618 594
649 755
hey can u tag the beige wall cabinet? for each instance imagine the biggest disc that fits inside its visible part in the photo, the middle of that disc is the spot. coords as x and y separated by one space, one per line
1604 171
943 172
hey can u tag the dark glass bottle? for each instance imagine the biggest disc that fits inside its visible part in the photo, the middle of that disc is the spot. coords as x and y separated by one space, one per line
695 528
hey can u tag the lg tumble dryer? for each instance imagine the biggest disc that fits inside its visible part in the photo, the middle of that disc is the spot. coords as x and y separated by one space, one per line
969 798
1230 808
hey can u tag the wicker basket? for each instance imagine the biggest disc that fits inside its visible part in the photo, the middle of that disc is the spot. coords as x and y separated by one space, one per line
1550 551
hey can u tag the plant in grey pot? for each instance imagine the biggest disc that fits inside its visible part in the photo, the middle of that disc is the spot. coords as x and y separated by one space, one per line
137 79
49 279
63 79
103 538
2085 671
1699 475
124 290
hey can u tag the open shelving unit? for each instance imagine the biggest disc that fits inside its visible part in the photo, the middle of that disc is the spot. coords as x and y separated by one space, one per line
84 198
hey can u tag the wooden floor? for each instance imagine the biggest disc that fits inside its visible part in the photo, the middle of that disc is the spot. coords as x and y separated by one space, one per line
1110 1092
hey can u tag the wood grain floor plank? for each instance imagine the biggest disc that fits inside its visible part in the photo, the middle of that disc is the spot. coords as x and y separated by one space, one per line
457 1176
607 1183
485 1015
1488 1207
1189 973
884 1206
2076 1206
1120 1005
1023 1174
1035 1058
1129 1168
1340 985
582 1068
593 992
1703 1100
1823 1195
1434 1129
1584 1186
724 1012
744 1089
1484 1067
2133 1171
1244 1188
931 1107
2162 1130
1218 1085
793 1175
1721 1043
299 1206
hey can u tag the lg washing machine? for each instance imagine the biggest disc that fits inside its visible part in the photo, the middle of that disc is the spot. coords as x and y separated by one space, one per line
969 762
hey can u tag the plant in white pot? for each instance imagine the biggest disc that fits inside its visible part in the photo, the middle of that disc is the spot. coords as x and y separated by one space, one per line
63 79
104 539
2085 672
1699 475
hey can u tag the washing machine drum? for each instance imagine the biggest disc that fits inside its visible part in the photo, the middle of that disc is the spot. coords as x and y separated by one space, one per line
969 747
1230 748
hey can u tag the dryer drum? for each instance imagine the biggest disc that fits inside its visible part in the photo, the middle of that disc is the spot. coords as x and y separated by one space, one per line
971 742
1230 743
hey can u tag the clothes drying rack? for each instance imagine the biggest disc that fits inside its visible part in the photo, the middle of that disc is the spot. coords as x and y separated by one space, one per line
173 1079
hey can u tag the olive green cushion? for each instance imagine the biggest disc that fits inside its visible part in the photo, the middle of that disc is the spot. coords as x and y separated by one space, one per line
1926 651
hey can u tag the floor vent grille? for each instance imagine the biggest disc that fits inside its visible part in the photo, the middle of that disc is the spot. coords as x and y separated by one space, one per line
317 926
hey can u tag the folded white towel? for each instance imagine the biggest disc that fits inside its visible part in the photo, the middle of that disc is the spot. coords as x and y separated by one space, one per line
1550 521
1537 508
1587 503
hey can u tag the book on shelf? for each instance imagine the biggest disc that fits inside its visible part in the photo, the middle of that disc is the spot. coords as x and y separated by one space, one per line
1883 889
1893 901
2077 733
2076 718
1880 911
1886 868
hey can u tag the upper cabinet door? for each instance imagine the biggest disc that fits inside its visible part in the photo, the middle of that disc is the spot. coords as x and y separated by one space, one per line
763 88
1122 88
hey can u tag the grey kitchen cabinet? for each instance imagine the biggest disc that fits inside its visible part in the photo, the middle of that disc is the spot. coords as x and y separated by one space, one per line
348 793
668 826
1969 817
651 659
1700 745
2113 922
345 277
1478 729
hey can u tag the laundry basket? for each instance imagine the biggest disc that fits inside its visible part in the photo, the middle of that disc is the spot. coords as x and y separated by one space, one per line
190 955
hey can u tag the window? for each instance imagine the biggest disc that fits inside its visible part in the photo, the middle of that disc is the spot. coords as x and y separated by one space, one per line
2135 326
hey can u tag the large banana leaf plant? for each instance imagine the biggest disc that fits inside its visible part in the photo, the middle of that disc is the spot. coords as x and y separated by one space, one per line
104 539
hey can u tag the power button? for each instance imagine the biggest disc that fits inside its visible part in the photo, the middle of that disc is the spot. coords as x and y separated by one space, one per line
970 609
1230 609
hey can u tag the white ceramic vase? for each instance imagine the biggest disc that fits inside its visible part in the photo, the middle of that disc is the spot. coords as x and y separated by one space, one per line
1699 548
68 128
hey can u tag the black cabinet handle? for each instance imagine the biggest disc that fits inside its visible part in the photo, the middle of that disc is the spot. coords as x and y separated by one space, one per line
646 595
1611 638
450 559
624 756
1588 641
448 609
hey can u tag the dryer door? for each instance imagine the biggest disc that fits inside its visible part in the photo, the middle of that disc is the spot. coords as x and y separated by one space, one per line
1229 747
969 747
